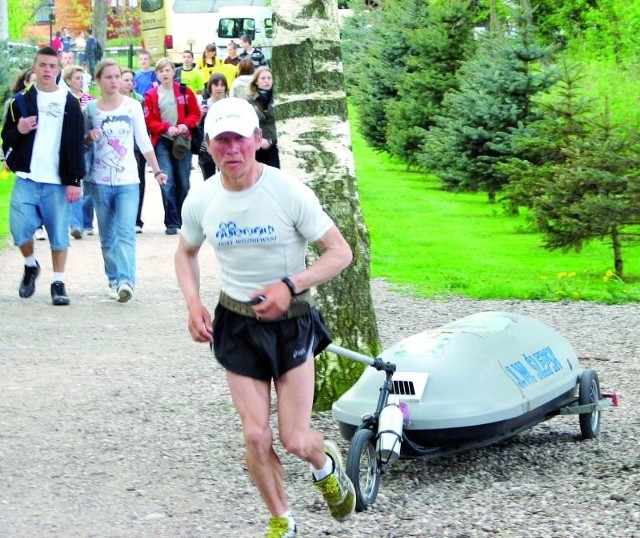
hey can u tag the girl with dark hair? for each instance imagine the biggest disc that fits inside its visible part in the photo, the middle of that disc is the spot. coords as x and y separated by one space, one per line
208 62
217 89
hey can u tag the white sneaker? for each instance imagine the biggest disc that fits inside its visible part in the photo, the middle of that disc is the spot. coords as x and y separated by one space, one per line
138 229
125 292
113 292
40 235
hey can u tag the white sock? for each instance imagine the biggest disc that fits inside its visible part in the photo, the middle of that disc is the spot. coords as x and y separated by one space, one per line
30 261
319 474
289 516
58 277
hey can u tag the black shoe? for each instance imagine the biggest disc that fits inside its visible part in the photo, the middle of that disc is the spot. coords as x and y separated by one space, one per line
59 295
28 284
171 231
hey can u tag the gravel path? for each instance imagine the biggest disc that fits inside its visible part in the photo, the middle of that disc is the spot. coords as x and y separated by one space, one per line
115 424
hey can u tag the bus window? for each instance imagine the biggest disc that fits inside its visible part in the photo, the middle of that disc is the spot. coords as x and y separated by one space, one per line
232 28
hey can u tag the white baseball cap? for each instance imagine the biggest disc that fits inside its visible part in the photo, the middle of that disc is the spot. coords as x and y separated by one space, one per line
232 115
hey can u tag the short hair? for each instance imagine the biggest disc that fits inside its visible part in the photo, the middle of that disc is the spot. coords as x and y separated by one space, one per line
69 71
246 67
45 51
164 62
103 64
246 38
145 53
188 51
128 70
217 77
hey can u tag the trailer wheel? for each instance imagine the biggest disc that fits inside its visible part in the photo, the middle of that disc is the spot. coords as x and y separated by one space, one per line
589 393
363 468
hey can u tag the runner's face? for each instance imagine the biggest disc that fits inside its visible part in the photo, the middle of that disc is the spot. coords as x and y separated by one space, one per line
187 60
145 62
234 154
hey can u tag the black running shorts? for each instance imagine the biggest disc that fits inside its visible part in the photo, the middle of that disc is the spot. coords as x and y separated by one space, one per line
267 349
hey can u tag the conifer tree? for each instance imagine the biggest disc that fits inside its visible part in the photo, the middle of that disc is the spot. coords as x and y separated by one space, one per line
595 193
495 97
376 71
435 53
541 145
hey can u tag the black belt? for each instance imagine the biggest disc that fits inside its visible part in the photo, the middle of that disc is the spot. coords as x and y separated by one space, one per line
300 305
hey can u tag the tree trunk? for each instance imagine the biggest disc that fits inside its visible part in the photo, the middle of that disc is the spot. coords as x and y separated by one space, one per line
618 263
315 146
100 21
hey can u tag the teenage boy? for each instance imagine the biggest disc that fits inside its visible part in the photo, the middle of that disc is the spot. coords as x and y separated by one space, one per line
188 75
146 78
43 142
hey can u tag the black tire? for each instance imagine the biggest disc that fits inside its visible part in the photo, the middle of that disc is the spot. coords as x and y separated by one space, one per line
589 393
363 468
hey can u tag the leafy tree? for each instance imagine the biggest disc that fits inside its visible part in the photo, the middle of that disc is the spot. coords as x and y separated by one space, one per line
313 134
435 53
494 98
22 14
595 193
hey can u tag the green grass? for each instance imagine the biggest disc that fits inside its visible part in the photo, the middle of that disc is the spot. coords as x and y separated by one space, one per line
6 184
437 243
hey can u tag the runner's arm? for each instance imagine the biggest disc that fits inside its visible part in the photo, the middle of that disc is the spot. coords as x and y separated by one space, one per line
188 273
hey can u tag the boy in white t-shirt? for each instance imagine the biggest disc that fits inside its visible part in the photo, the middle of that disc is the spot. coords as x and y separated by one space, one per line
43 143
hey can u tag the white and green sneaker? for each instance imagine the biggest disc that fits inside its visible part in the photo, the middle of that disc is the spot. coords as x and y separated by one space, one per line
281 527
337 489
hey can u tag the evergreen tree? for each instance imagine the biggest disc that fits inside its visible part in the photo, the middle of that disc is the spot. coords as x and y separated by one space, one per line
435 53
595 193
495 97
541 145
376 71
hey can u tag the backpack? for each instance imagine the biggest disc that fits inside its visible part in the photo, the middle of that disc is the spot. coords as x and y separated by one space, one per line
99 51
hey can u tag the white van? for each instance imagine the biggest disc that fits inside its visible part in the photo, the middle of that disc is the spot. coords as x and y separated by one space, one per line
236 21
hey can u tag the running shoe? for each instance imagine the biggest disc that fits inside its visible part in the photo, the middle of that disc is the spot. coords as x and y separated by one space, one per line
337 489
281 527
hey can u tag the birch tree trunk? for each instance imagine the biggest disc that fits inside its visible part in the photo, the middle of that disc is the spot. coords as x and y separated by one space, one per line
315 146
100 22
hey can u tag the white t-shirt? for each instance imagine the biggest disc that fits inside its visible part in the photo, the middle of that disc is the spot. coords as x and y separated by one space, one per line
45 159
260 234
114 162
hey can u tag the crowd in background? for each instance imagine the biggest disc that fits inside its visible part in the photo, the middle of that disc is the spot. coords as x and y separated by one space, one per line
173 104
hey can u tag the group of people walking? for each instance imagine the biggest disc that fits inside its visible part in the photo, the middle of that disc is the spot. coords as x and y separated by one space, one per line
258 219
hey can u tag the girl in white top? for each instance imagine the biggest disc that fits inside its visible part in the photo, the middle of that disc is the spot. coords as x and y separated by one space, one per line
114 122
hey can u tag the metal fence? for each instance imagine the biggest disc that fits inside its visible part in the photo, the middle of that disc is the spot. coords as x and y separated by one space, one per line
126 56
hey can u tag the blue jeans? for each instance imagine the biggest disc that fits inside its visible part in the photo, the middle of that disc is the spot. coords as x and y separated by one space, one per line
82 210
116 209
34 204
175 190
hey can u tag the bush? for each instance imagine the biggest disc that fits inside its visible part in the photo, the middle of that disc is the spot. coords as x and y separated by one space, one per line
14 57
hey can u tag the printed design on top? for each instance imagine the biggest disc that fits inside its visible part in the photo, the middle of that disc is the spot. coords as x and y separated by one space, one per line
110 150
